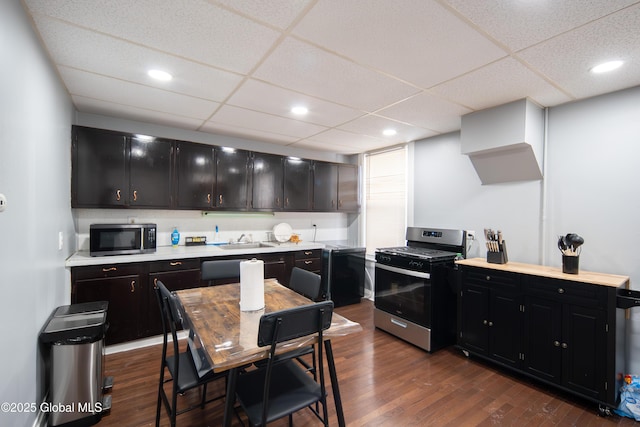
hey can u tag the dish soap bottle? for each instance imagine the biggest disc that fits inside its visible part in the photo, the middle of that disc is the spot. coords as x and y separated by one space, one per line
175 237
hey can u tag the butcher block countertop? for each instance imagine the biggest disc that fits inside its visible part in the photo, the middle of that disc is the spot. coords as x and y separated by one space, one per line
602 279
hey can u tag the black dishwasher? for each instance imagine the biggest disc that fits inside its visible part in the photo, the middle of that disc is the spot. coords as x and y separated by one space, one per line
343 272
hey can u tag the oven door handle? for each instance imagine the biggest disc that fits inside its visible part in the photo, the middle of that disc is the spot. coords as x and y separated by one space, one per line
411 273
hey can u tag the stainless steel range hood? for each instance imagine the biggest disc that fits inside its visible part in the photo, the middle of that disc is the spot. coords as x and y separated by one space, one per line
505 143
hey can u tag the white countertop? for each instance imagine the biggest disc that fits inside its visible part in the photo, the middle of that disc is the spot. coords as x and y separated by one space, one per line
82 258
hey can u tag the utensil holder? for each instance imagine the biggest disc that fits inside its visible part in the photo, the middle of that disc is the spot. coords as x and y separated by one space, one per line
499 257
570 264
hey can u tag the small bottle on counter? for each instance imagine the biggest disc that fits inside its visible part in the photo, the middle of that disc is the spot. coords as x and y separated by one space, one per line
175 237
458 256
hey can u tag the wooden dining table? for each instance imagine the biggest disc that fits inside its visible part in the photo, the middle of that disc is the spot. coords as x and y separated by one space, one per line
224 338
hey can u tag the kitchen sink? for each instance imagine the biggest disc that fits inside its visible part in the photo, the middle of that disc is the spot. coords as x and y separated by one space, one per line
244 246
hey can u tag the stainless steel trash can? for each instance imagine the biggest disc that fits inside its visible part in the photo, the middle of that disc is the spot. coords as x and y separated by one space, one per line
75 334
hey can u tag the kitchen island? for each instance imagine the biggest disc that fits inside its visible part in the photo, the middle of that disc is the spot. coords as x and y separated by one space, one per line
564 330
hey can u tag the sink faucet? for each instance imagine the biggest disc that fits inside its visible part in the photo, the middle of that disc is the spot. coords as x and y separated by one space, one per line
240 238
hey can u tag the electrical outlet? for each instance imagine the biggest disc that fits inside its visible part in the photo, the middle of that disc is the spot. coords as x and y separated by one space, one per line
3 202
60 240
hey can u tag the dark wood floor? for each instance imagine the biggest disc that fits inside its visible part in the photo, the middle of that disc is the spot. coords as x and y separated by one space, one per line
384 382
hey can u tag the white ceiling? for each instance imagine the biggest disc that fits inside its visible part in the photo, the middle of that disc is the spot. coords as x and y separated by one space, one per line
360 66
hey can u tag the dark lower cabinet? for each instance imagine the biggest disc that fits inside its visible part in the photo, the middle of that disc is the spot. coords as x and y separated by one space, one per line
566 333
123 285
175 275
490 315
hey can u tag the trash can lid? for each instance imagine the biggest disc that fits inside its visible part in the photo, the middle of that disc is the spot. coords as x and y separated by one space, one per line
75 328
85 307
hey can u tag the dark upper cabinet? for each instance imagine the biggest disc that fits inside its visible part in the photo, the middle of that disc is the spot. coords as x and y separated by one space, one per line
348 188
150 172
99 168
112 169
325 186
232 179
297 184
195 175
268 184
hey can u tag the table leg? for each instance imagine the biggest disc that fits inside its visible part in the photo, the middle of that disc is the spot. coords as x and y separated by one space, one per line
334 382
230 398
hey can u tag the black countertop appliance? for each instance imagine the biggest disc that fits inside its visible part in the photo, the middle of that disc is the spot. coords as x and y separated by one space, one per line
343 272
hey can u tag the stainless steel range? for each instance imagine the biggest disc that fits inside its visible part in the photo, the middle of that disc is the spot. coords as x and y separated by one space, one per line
414 287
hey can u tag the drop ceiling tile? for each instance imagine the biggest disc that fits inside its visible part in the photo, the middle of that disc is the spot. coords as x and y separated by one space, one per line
72 46
94 106
499 83
190 29
313 71
520 24
352 143
416 40
260 96
279 13
239 117
567 58
89 85
372 125
332 148
428 112
243 132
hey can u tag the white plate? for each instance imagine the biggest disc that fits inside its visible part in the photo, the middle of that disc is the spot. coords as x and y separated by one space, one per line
282 232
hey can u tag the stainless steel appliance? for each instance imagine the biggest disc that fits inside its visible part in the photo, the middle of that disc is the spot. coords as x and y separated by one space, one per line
343 271
415 289
122 239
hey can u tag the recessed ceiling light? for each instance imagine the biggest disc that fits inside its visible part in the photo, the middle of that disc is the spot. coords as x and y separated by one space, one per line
389 132
160 75
299 110
607 66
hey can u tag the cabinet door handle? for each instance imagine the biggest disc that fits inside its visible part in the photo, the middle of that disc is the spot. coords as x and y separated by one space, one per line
173 264
133 286
485 322
208 197
556 343
135 195
278 201
308 262
118 196
564 345
155 283
560 291
220 199
339 203
333 203
488 277
308 252
490 323
105 270
286 201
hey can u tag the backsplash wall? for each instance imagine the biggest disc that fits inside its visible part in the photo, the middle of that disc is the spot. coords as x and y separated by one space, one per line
231 225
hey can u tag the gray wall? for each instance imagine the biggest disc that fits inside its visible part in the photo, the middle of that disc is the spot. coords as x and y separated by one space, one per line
36 114
589 188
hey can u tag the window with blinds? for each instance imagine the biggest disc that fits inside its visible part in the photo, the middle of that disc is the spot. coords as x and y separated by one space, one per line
385 198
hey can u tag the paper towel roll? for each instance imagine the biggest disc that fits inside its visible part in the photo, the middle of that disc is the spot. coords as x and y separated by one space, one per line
251 285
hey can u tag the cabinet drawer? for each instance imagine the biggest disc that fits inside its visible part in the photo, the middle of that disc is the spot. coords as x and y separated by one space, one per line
174 264
312 253
105 270
309 264
566 291
502 280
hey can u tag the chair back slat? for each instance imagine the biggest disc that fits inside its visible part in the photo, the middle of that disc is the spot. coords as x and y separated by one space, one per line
220 269
294 322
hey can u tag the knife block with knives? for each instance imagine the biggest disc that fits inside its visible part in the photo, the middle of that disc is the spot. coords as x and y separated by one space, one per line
496 247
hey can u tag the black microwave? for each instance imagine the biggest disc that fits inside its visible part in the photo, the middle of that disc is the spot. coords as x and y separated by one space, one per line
122 239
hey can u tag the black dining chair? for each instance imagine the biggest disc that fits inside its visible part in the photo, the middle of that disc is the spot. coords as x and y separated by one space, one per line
227 269
183 374
283 387
305 282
